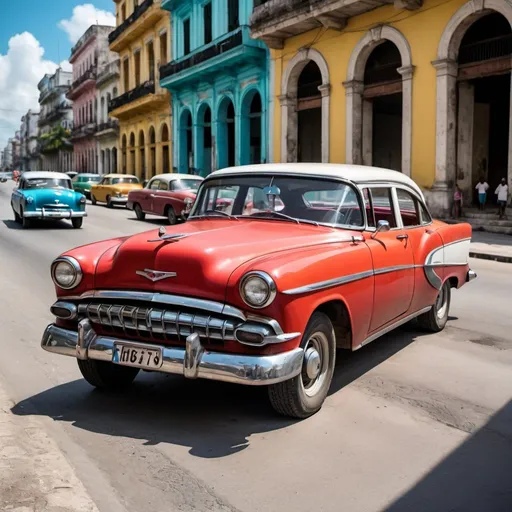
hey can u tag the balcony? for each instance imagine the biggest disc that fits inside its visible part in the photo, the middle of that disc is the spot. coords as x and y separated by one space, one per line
55 114
140 100
273 21
110 127
50 93
145 16
86 130
109 72
230 51
82 83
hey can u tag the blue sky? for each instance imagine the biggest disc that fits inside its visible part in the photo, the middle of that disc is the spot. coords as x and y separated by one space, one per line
41 17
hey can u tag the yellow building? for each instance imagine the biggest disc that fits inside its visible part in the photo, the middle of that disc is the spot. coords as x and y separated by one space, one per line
142 39
421 86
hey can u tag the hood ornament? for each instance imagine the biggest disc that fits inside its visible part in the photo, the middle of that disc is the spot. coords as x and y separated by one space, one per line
164 237
155 275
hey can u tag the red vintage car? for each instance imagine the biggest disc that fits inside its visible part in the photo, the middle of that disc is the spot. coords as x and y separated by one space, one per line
165 195
327 257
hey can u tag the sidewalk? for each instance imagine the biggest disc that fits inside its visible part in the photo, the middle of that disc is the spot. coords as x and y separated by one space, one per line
34 473
491 246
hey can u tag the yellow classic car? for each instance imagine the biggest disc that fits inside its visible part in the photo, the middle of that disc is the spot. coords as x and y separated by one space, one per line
113 189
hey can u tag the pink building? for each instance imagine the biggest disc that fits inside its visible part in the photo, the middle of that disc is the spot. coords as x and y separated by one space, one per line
91 49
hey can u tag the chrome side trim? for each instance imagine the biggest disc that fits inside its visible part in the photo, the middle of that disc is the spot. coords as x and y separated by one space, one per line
192 361
396 268
393 326
432 276
322 285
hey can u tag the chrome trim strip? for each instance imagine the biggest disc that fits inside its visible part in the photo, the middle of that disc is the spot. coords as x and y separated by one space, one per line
313 287
393 326
396 268
432 276
192 361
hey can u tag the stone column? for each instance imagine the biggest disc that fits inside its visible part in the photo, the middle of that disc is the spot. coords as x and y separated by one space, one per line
407 73
367 132
353 115
441 194
288 126
465 126
325 91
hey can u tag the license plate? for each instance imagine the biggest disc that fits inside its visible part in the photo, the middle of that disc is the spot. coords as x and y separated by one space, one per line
139 357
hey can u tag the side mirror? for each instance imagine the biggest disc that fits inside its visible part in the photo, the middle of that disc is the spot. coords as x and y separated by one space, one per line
382 227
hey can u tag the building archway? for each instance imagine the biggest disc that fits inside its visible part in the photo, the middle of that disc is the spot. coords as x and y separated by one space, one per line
289 100
165 148
473 75
252 125
142 156
204 139
152 151
123 155
373 71
131 169
226 134
113 157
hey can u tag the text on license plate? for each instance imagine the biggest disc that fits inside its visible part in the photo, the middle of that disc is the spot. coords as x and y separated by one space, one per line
129 355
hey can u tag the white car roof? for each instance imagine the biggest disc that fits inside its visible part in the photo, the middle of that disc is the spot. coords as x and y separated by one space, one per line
42 175
358 174
177 176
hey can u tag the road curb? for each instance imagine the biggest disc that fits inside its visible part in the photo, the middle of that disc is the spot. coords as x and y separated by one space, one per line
492 257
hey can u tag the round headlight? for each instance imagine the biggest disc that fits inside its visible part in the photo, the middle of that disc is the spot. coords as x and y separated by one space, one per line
257 289
30 199
66 272
82 200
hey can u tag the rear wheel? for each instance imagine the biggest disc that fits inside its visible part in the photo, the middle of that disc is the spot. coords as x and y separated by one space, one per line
138 211
77 222
435 319
305 394
104 375
171 216
109 202
93 199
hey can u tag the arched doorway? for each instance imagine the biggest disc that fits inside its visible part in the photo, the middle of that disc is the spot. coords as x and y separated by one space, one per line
123 155
142 156
483 104
186 156
204 139
226 134
165 148
131 169
382 108
252 125
113 166
152 151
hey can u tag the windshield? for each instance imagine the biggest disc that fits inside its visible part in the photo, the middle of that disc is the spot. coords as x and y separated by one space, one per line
186 184
47 183
91 179
281 198
116 181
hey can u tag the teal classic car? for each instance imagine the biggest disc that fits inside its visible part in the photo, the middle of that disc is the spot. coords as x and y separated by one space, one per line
47 195
84 181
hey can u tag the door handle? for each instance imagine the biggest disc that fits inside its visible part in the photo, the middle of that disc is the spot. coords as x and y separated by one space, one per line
402 237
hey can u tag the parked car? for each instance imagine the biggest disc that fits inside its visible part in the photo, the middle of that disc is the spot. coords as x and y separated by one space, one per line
5 176
72 174
84 181
47 195
165 195
263 298
113 189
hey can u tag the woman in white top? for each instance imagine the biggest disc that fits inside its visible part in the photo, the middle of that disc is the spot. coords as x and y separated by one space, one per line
502 193
482 186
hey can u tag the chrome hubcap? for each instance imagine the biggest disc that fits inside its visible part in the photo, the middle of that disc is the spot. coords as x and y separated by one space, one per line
315 365
441 303
312 362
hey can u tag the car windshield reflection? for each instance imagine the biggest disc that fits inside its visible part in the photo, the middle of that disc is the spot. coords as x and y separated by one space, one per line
117 181
47 183
186 184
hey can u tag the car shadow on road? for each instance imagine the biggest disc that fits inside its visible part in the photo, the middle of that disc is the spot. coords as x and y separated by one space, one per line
157 221
47 225
213 419
475 477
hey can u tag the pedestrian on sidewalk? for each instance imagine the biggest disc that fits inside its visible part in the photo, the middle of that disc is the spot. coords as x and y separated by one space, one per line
457 201
502 193
482 186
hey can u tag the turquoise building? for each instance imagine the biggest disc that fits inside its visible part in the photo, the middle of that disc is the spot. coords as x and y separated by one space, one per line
218 79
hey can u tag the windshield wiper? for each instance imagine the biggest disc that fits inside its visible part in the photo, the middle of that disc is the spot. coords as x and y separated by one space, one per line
279 214
214 214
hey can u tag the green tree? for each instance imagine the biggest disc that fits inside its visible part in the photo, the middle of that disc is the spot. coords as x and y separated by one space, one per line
57 138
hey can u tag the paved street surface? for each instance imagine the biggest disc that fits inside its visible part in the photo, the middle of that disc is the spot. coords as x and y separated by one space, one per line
413 422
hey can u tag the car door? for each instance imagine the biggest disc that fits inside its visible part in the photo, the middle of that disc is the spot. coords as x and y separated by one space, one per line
162 198
102 190
393 259
150 197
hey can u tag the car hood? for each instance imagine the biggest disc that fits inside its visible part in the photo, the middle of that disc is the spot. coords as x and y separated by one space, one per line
126 187
52 196
205 257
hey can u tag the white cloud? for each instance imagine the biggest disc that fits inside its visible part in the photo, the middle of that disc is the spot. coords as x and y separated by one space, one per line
82 18
21 69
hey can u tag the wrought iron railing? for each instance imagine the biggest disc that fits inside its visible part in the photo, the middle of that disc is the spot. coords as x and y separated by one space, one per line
174 67
137 13
90 74
139 92
494 48
111 124
83 130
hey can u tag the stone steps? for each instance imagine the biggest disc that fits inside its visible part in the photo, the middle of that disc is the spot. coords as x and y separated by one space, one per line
502 227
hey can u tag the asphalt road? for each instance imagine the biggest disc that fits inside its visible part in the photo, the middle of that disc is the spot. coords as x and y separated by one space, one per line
413 422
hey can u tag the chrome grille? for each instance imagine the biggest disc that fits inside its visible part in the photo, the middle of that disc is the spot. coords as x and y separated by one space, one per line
55 205
159 324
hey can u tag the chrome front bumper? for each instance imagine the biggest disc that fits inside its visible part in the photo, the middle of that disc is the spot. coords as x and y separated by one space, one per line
119 200
54 214
193 361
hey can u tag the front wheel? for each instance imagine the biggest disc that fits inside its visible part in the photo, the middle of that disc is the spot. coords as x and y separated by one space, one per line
435 319
77 222
17 218
25 221
93 199
104 375
171 216
305 394
138 212
110 204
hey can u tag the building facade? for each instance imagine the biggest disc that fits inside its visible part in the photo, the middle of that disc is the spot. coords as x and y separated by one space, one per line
107 133
218 79
89 56
55 122
29 133
419 86
142 40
